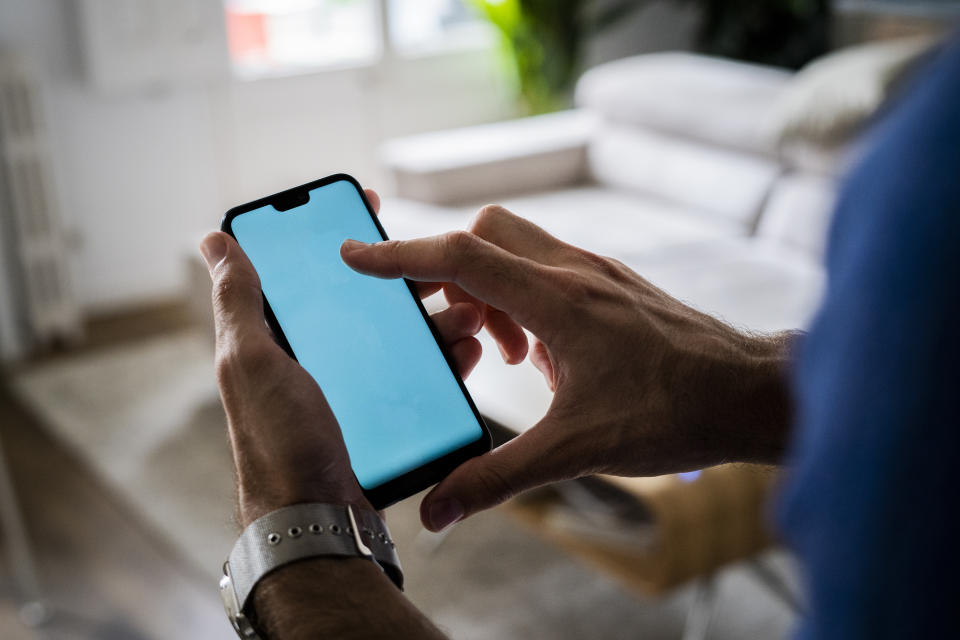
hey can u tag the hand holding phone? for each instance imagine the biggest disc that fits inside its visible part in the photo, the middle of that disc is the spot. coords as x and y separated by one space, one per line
287 444
392 387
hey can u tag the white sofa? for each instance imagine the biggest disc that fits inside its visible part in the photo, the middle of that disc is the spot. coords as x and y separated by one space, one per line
666 164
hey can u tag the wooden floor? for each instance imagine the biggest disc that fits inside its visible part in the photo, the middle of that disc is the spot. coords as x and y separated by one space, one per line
104 575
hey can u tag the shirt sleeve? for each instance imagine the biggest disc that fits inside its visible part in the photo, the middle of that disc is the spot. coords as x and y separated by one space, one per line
870 501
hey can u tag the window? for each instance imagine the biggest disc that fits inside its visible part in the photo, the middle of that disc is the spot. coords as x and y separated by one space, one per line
424 26
268 37
291 36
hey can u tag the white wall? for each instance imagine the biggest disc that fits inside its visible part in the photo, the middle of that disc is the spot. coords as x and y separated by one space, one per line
335 122
141 175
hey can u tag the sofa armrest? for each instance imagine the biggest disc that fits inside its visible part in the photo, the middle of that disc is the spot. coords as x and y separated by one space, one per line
492 160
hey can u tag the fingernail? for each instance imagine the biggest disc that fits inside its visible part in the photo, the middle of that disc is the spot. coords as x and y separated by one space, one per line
503 354
352 245
445 512
213 248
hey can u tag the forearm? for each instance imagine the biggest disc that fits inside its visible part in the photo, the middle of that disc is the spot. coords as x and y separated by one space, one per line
336 598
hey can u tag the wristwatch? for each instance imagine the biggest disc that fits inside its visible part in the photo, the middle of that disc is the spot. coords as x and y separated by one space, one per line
300 532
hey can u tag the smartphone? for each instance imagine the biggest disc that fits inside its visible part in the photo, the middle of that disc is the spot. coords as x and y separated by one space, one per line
405 414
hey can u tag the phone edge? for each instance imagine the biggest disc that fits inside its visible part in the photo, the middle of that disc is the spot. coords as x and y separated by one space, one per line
422 477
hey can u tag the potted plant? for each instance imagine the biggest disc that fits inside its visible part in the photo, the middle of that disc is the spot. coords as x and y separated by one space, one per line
543 41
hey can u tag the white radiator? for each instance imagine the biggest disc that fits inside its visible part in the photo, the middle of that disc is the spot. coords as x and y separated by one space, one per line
40 307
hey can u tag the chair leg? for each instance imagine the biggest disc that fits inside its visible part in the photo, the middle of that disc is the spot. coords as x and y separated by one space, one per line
33 612
701 609
775 583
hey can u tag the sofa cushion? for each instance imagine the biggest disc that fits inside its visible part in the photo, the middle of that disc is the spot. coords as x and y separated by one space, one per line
798 213
730 184
831 99
808 157
616 222
751 283
603 220
708 99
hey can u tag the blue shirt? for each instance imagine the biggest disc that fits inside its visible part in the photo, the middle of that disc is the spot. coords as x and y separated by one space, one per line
871 497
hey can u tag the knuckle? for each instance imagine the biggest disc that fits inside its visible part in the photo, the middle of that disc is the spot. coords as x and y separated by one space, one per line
488 216
462 314
392 247
459 247
460 242
227 287
243 356
568 282
607 266
225 364
580 290
620 270
494 484
394 253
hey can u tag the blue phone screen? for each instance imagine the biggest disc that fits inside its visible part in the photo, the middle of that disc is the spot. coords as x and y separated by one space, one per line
362 339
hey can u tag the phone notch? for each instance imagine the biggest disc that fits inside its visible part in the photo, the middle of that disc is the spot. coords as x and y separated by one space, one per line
290 199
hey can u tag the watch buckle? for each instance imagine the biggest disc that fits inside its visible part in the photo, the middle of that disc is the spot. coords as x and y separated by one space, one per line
361 546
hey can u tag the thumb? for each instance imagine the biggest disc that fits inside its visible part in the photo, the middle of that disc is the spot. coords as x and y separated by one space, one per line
237 300
534 458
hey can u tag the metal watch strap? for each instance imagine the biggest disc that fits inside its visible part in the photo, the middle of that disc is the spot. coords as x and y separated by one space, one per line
304 531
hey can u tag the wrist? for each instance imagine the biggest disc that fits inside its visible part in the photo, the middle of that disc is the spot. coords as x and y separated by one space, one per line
256 499
354 542
753 421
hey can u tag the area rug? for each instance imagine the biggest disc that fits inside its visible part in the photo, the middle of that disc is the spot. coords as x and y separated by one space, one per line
146 418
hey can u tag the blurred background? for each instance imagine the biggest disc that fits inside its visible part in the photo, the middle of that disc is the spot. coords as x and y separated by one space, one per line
699 141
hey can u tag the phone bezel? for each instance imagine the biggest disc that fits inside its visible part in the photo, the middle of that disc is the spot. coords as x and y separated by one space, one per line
418 479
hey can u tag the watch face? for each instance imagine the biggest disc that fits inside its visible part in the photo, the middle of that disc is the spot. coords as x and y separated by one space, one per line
230 604
243 628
